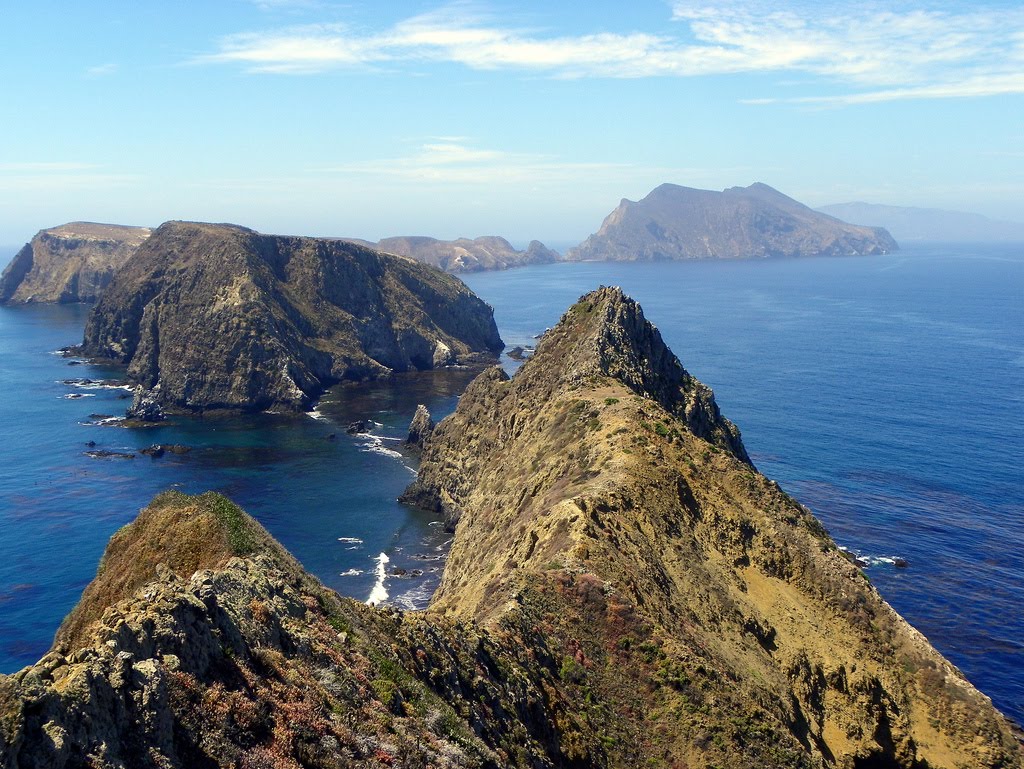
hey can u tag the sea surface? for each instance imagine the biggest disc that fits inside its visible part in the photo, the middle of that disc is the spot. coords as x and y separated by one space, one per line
886 393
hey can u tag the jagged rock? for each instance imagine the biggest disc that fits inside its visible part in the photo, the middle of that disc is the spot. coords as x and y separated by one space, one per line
221 317
623 590
359 427
420 428
71 263
600 495
675 222
159 449
465 255
145 407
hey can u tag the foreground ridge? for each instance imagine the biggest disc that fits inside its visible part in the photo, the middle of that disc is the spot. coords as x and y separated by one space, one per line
624 589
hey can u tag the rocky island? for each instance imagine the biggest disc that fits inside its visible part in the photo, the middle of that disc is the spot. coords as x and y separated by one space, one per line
214 316
71 263
675 222
624 589
464 254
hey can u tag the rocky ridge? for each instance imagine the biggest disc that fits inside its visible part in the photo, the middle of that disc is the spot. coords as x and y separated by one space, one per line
71 263
624 589
689 595
675 222
211 317
489 252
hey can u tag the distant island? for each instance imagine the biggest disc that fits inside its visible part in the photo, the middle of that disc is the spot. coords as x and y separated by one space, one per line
907 223
623 590
465 255
675 222
215 316
71 263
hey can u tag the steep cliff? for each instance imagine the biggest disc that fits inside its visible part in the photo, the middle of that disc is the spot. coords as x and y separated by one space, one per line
466 255
220 317
71 263
623 590
600 493
675 222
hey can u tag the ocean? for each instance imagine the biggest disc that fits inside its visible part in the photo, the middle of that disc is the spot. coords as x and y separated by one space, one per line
883 392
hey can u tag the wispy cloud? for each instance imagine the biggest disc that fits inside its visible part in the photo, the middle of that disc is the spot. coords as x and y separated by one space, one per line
101 70
458 162
58 176
883 52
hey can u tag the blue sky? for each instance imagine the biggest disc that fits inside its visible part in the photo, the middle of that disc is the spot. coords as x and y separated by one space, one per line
530 120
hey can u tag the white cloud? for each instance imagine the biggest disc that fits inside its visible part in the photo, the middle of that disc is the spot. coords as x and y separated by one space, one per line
896 53
456 162
101 70
58 176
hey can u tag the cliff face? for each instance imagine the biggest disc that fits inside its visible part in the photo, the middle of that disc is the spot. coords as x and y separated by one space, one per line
623 590
71 263
201 643
675 222
465 255
217 316
600 493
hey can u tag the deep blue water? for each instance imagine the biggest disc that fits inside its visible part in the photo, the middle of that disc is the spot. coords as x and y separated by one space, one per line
884 392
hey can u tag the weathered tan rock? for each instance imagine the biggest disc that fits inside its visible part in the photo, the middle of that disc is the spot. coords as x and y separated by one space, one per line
71 263
464 254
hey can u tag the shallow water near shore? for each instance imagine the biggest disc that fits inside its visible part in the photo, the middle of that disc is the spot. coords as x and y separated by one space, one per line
885 393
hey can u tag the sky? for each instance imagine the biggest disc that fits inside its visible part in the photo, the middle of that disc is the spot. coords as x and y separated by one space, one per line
527 119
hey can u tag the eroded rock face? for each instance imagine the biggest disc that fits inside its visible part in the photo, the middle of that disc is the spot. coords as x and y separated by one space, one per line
420 428
466 255
601 493
221 317
71 263
623 590
675 222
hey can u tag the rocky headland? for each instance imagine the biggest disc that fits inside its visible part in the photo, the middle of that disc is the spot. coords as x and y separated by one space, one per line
489 252
624 589
675 222
71 263
211 316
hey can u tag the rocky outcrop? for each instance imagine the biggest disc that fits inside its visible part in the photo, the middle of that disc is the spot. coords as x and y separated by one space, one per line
466 255
675 222
71 263
420 428
600 496
221 317
623 590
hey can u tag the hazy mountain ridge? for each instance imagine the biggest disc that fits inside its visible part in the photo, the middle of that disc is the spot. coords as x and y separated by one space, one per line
489 252
73 262
910 223
674 222
221 317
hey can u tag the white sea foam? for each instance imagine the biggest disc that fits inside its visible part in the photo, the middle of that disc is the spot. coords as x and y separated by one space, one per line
92 384
375 445
417 598
353 540
76 396
314 413
379 592
103 422
351 573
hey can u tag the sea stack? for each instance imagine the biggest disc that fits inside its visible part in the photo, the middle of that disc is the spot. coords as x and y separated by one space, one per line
71 263
675 222
213 316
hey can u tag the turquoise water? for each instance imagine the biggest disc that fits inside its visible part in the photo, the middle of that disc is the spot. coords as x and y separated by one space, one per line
884 392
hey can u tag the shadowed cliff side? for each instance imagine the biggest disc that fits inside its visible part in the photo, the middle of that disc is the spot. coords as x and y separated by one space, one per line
71 263
686 593
221 317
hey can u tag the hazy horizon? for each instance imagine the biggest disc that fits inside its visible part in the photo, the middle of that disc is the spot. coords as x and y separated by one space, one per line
523 120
